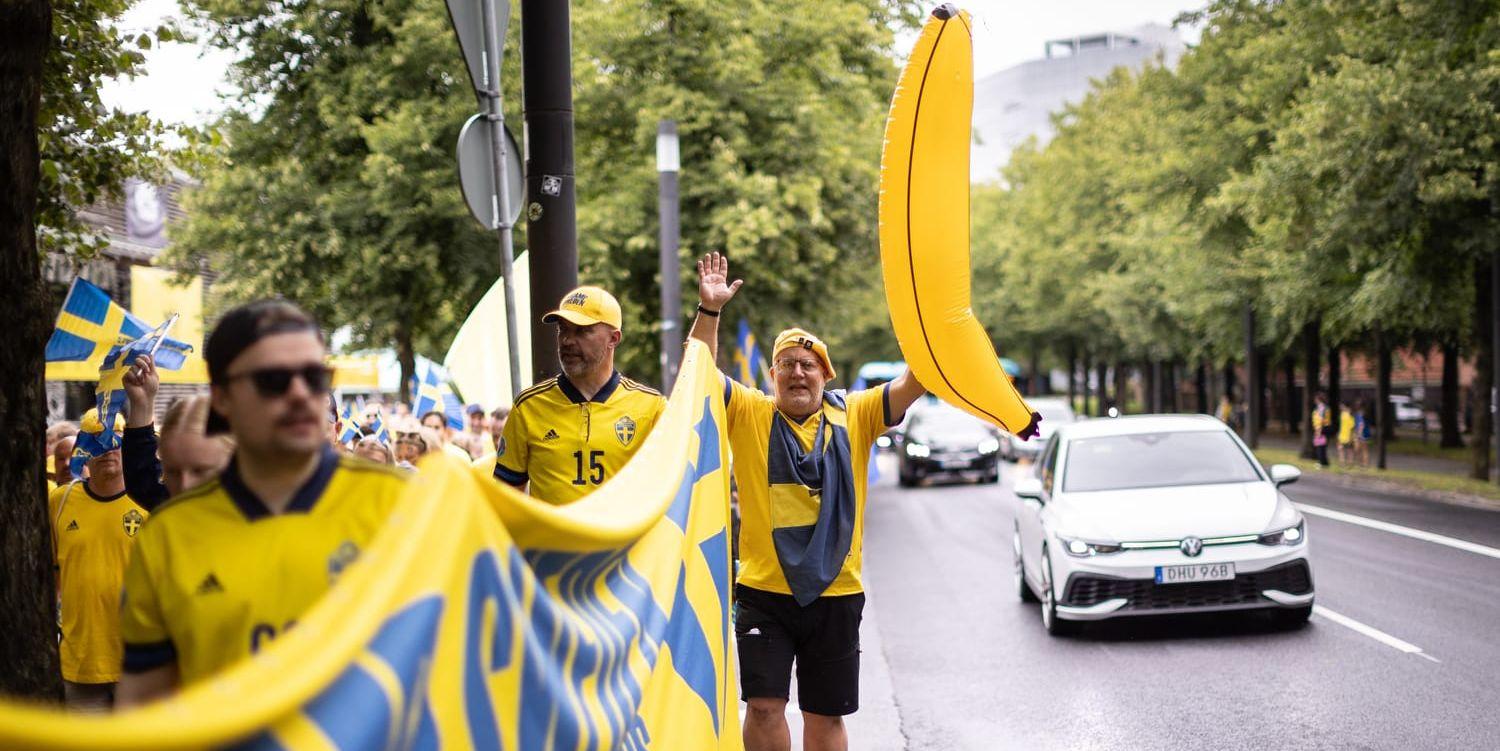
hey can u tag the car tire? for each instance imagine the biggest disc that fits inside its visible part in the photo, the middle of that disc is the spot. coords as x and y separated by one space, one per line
991 476
1023 590
1293 618
1055 626
904 479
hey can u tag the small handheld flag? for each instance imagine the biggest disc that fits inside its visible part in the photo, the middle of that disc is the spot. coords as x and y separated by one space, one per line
90 324
349 426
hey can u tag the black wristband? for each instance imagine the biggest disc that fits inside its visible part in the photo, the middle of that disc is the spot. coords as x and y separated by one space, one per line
707 312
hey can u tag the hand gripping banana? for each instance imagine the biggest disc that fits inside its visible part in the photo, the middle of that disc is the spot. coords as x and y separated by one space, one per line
924 229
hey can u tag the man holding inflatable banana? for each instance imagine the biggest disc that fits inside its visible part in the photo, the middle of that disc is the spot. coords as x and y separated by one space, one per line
801 462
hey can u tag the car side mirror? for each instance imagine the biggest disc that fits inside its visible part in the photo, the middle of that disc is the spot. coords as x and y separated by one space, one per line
1284 474
1029 488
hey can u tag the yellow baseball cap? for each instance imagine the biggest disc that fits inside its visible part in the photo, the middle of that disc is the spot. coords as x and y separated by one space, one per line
799 338
587 306
90 423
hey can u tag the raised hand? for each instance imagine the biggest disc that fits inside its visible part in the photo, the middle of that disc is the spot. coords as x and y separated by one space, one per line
141 384
714 287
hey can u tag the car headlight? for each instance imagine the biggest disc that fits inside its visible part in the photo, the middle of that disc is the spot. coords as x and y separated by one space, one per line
1083 549
917 450
989 446
1290 536
883 442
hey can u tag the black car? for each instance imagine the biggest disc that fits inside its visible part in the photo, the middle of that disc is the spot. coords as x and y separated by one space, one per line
942 440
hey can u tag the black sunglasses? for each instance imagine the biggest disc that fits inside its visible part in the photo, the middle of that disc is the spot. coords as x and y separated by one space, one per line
273 382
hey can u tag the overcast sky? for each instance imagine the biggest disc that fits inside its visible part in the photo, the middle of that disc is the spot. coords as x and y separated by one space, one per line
183 82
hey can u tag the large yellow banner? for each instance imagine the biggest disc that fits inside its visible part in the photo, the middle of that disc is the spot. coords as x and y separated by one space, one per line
481 618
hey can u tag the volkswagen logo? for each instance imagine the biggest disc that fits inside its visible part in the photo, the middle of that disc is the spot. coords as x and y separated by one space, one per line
1191 546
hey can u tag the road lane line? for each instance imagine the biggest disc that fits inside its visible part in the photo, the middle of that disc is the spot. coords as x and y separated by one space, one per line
1397 529
1372 632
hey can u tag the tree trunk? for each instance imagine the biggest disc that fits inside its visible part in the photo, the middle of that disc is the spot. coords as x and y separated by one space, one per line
1073 376
1087 366
1382 396
1448 409
1262 388
1484 360
1200 382
1289 405
1229 380
28 601
1101 377
406 355
1152 397
1335 384
1122 387
1311 347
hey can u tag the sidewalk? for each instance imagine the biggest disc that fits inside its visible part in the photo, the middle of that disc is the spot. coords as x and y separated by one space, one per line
877 724
1446 480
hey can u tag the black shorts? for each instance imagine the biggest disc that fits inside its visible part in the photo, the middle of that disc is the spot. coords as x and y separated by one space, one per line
823 639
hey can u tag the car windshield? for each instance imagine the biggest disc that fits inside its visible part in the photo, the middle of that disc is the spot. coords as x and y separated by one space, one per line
1153 460
1055 415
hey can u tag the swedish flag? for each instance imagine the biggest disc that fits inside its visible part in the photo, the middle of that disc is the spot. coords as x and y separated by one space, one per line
380 432
349 426
750 366
90 324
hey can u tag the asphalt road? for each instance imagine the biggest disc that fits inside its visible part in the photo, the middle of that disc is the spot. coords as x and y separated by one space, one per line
1403 652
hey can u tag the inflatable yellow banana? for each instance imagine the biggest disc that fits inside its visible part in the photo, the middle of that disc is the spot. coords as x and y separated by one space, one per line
924 229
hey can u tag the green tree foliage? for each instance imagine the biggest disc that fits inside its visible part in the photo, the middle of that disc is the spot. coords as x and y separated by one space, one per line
1322 162
337 185
89 149
780 111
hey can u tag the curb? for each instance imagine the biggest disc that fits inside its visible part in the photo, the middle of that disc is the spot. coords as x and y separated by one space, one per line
1399 488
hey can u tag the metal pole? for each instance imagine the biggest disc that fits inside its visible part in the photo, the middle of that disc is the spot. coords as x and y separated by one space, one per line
496 118
1252 381
551 222
667 166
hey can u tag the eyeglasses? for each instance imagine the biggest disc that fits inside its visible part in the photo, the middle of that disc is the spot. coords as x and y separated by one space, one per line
273 382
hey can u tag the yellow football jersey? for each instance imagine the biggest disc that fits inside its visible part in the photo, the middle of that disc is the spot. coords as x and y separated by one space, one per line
92 537
765 506
217 577
567 446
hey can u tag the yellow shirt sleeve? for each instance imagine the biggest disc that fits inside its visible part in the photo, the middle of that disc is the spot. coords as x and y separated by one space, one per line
512 458
143 628
742 403
869 416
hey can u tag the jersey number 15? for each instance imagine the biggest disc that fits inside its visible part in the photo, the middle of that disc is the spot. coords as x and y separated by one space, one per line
595 469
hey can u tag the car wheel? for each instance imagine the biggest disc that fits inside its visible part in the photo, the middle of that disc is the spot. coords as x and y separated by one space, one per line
991 475
1054 625
904 478
1023 590
1292 618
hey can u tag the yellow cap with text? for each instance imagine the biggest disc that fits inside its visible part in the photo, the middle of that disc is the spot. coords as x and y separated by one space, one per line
587 306
799 338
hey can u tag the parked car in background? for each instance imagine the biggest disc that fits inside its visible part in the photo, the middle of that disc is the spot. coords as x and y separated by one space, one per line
942 440
1157 514
1055 413
1408 410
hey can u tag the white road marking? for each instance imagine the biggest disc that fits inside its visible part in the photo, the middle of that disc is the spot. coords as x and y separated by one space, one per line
1372 632
1397 529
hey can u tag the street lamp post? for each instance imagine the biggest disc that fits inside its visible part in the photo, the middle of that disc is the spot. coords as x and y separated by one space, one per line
667 166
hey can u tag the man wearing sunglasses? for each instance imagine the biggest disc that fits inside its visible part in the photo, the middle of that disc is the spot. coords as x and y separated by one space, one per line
224 569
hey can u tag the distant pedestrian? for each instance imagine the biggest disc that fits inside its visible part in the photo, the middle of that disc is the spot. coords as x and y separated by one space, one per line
1346 434
1226 409
1322 426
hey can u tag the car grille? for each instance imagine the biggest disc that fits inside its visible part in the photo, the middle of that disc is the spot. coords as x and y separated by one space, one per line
1145 594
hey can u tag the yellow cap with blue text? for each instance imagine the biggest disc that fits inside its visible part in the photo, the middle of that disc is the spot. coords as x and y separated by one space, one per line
587 306
798 338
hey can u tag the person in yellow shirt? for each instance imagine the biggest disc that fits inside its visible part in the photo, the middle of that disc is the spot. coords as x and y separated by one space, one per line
1346 434
222 570
570 434
801 466
94 527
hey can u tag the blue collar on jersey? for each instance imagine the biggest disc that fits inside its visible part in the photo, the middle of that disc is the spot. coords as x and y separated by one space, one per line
302 501
576 397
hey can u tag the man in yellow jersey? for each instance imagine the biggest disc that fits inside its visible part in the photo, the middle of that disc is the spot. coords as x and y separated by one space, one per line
570 434
801 463
225 568
94 527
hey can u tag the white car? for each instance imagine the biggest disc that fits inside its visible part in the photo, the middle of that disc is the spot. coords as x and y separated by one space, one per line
1153 515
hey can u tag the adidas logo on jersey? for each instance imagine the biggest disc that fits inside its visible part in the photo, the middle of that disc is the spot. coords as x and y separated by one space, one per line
209 585
550 436
72 525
